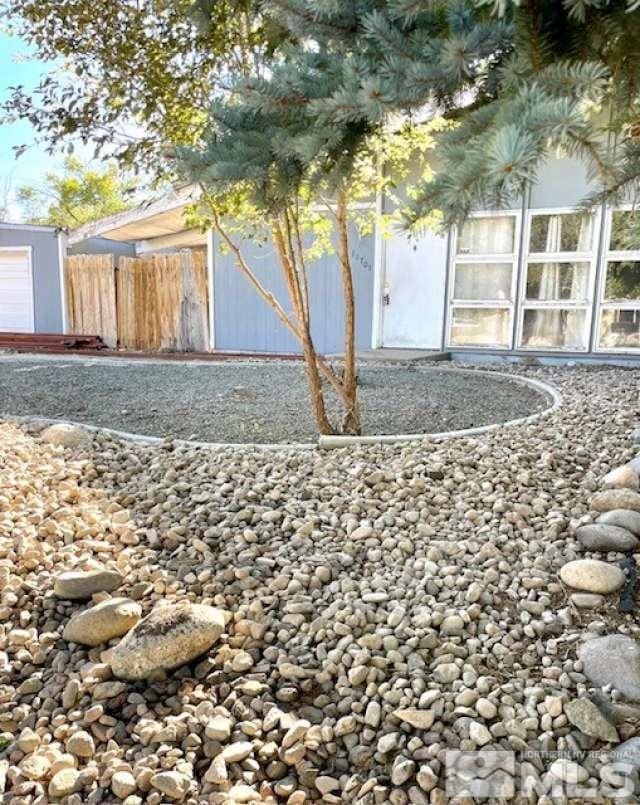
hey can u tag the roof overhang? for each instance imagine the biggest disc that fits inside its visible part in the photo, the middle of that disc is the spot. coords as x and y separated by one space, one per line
159 218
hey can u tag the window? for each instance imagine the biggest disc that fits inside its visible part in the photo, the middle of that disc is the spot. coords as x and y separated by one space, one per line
558 280
482 289
619 327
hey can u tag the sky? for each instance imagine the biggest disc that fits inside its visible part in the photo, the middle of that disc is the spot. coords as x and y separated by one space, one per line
30 167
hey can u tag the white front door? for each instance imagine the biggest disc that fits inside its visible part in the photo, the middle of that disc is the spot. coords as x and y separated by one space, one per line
16 291
414 291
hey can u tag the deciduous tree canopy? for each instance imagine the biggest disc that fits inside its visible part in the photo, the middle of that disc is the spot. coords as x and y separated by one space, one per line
78 195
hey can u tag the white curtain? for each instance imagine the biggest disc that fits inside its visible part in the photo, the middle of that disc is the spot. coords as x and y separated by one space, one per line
487 236
483 281
558 327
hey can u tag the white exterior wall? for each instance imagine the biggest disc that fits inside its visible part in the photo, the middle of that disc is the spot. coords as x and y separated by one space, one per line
419 277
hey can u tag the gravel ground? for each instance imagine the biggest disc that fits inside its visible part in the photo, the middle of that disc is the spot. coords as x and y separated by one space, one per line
380 606
250 402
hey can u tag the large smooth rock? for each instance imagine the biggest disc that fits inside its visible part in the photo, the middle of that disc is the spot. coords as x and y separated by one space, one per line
635 464
613 660
623 518
586 716
627 752
621 478
66 435
102 622
78 585
604 537
611 499
167 638
592 576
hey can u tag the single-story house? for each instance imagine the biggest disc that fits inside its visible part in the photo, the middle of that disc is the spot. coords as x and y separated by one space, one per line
31 279
32 284
543 278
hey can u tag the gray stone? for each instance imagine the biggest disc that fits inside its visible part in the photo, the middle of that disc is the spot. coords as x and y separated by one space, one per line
592 576
627 752
613 660
616 499
587 600
402 770
77 585
167 638
604 537
623 518
102 622
568 771
586 716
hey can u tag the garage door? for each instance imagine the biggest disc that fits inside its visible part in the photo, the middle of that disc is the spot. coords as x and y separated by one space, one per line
16 291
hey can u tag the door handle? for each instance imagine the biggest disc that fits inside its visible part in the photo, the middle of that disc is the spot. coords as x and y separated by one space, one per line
386 299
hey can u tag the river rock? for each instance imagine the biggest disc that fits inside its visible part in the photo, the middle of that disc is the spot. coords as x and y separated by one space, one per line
586 716
605 537
63 782
611 499
102 622
613 660
167 638
420 719
623 518
621 478
77 585
587 600
627 752
172 784
592 576
66 435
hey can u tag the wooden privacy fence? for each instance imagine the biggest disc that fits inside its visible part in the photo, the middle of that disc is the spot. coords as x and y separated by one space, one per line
91 296
158 302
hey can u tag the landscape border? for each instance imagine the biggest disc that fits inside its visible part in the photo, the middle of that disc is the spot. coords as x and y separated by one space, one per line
327 442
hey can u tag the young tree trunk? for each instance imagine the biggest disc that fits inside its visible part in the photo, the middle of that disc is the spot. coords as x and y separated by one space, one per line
300 330
351 422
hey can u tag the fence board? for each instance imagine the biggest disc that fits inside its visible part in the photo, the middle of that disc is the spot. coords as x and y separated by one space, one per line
91 296
163 302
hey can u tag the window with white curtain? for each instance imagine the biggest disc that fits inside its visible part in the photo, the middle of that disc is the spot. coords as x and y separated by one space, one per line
559 266
619 308
482 287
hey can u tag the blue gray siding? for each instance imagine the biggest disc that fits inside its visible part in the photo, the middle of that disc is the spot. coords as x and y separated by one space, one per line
46 273
244 322
102 246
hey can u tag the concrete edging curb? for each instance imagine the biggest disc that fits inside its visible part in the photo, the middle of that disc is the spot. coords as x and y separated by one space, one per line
331 442
140 438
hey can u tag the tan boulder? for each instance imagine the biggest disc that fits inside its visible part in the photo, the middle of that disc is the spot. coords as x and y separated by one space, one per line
592 576
66 435
611 499
167 638
102 622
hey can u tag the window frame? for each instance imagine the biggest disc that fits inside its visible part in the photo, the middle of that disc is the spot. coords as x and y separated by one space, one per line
601 304
505 304
528 257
